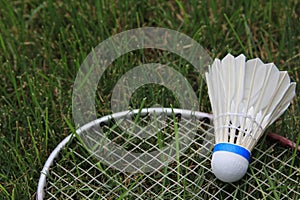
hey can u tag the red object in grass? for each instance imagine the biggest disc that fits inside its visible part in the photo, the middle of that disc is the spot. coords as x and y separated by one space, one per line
284 141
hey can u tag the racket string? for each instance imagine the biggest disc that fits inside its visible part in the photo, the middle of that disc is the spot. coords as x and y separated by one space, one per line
80 173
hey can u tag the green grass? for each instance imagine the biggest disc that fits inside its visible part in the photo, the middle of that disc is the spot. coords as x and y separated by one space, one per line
42 45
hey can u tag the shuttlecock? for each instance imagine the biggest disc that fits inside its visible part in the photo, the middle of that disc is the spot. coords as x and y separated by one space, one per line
246 97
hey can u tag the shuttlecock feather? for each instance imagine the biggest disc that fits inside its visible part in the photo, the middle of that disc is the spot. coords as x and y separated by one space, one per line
246 97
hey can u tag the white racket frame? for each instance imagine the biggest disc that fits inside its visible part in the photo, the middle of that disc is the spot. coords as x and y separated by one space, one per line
45 171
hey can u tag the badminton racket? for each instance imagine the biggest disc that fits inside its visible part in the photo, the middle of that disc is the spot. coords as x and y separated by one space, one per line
179 168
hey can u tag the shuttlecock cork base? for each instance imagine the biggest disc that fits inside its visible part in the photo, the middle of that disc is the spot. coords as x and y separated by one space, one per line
230 162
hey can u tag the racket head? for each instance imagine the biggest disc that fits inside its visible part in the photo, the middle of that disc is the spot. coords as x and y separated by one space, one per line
74 171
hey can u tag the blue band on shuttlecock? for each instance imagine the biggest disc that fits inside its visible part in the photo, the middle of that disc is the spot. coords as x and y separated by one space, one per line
233 148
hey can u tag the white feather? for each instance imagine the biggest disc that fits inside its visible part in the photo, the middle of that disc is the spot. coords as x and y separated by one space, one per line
246 97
